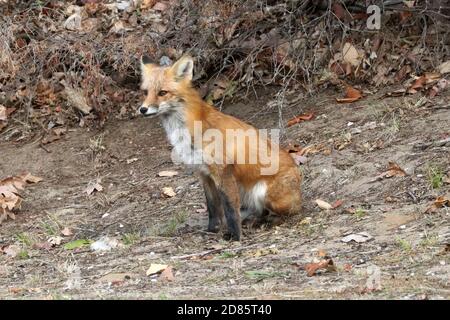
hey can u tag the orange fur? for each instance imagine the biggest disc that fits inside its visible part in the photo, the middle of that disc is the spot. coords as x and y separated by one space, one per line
172 86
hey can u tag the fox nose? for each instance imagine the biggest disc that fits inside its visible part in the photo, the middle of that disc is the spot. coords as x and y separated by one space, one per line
143 110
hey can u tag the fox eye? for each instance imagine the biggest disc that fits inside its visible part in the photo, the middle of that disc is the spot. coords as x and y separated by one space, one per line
162 93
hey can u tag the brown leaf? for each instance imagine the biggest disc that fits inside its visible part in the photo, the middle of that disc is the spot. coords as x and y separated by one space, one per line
302 117
394 170
168 191
337 204
311 268
440 202
351 95
66 232
167 274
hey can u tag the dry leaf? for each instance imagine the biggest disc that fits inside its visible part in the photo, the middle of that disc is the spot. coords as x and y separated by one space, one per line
302 117
440 202
311 268
167 173
351 95
444 67
323 205
56 241
3 116
337 204
156 268
9 197
66 232
357 237
168 191
350 54
93 186
167 274
394 170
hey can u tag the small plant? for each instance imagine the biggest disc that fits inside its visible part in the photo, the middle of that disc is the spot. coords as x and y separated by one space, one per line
359 213
25 239
23 254
131 238
171 227
429 240
435 177
227 255
404 244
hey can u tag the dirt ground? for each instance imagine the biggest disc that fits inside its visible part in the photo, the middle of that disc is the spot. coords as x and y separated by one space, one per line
352 144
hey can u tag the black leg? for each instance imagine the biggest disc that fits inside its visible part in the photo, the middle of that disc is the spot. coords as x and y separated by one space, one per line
214 205
232 217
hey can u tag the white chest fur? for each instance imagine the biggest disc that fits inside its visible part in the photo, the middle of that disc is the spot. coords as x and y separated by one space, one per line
181 139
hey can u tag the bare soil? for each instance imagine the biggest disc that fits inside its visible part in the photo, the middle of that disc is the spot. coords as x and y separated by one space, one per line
409 246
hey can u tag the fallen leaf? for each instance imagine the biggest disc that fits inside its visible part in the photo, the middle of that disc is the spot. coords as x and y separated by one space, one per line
156 268
168 191
394 170
93 186
350 54
56 241
337 204
66 232
440 202
357 237
351 95
327 264
77 244
167 274
167 173
3 116
115 278
9 194
444 67
323 205
302 117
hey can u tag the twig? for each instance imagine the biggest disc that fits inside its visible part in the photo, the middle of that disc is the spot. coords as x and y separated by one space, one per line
425 145
204 253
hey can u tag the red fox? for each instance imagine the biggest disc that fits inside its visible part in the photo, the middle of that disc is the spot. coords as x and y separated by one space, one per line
225 150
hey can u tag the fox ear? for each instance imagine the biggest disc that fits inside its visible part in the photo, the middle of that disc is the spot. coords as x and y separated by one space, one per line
146 59
183 68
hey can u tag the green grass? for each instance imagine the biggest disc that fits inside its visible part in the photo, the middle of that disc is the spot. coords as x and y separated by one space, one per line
435 177
405 245
131 238
25 239
430 240
23 254
227 255
359 213
171 227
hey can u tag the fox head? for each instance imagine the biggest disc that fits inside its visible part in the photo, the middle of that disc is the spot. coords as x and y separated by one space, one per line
164 85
